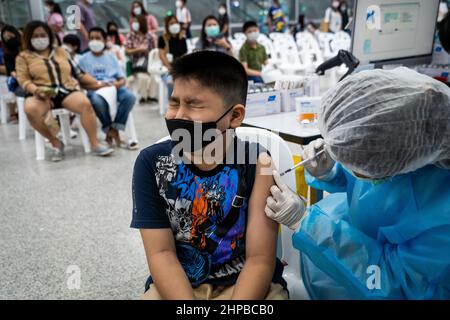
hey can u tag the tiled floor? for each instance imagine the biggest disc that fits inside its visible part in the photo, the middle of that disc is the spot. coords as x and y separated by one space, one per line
73 213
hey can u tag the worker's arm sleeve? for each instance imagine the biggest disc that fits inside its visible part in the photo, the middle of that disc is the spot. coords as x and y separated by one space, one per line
336 181
390 267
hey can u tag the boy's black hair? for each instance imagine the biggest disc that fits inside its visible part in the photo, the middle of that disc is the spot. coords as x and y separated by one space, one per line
248 25
98 29
444 32
216 71
73 40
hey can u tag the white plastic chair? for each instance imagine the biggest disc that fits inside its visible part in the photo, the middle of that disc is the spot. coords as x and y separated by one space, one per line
282 159
325 39
240 36
64 120
290 58
309 49
23 120
4 110
341 41
268 45
191 44
156 71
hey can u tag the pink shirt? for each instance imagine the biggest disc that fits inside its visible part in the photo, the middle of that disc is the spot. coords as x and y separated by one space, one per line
56 21
152 23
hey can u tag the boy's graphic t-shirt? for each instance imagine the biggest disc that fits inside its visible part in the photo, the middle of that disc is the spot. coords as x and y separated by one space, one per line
207 211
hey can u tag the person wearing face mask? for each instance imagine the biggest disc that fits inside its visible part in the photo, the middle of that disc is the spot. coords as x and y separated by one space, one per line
71 43
55 19
171 45
253 55
105 67
87 22
224 21
137 9
137 46
183 15
11 40
202 222
333 17
211 38
49 77
276 18
113 29
346 13
384 230
115 49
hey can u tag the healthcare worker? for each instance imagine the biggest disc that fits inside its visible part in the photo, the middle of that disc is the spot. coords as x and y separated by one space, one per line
384 230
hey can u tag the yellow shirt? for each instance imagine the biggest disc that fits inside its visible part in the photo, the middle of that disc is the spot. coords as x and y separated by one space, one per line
58 70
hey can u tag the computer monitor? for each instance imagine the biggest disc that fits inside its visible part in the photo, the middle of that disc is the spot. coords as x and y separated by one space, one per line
394 31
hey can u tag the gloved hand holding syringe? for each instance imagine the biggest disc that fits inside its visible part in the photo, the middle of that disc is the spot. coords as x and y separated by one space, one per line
284 205
302 163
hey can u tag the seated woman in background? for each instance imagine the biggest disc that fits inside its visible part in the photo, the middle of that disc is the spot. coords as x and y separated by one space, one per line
55 19
172 45
211 38
113 28
115 48
138 46
137 9
45 73
11 39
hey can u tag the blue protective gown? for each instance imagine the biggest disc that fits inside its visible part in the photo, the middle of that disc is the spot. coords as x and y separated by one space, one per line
385 241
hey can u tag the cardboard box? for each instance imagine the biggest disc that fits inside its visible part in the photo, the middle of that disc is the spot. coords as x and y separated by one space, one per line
288 99
307 109
263 104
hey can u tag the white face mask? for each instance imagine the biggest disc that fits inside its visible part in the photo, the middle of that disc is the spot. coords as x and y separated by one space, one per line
222 11
90 1
253 36
96 46
40 44
135 26
174 28
178 4
137 11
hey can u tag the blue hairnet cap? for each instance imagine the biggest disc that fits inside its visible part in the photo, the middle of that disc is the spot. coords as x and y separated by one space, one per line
382 123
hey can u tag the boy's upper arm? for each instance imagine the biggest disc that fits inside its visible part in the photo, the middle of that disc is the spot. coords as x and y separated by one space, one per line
157 241
149 208
261 236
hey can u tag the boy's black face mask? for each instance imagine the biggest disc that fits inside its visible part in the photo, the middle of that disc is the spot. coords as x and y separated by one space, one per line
197 135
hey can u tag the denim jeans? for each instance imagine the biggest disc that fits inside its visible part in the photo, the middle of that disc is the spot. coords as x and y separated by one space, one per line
167 79
125 103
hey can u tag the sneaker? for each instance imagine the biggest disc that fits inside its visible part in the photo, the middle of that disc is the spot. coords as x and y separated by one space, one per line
130 146
102 151
58 153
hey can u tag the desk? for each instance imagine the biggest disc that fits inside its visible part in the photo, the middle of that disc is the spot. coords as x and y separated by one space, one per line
286 125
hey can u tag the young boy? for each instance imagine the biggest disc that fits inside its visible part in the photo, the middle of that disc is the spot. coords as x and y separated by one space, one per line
203 225
252 54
